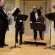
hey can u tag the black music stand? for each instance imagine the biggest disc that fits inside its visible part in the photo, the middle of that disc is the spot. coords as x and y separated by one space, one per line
20 17
51 17
24 18
37 26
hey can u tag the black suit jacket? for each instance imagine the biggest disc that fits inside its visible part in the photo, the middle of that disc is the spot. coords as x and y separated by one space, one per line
3 19
32 15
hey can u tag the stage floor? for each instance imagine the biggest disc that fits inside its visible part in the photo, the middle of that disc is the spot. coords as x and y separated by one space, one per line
27 49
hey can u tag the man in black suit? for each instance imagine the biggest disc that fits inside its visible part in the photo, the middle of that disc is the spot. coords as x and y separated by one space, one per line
3 23
18 29
33 18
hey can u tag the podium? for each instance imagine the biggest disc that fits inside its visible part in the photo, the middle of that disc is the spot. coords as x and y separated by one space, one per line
51 17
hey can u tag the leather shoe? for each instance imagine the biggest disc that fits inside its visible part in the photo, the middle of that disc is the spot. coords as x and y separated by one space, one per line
20 43
16 40
5 45
1 46
42 39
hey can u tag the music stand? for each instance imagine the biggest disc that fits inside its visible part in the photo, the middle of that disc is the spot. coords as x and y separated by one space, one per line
38 26
51 17
20 17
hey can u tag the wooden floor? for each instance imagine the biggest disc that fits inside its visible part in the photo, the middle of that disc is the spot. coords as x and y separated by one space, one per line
26 49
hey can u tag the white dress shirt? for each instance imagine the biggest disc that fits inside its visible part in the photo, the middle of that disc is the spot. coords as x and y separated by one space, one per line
36 15
4 10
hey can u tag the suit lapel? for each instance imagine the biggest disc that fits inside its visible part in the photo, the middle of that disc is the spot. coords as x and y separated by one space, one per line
1 9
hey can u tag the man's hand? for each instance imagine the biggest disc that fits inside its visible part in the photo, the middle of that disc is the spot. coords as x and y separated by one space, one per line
9 12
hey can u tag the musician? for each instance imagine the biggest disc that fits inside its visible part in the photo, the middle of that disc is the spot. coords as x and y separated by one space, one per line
3 23
33 18
18 29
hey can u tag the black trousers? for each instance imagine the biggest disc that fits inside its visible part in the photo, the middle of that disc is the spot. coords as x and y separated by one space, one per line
35 34
2 36
18 30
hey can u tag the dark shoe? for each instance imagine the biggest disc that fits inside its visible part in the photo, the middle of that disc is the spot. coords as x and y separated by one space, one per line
16 41
1 46
42 39
20 43
5 45
36 44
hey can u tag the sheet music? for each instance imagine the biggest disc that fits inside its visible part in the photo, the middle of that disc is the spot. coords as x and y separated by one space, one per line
13 10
